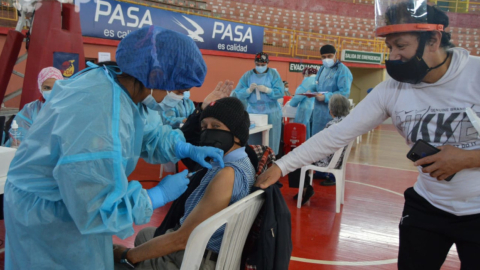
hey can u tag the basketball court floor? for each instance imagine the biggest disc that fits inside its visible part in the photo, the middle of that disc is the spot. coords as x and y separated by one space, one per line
364 235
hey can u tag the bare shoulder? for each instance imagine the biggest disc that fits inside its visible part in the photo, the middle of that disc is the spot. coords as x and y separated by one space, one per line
223 177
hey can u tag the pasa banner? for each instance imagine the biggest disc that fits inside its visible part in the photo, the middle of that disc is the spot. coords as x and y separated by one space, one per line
114 20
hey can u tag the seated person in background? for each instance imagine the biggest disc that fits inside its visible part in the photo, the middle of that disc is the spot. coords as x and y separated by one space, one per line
180 108
225 124
339 107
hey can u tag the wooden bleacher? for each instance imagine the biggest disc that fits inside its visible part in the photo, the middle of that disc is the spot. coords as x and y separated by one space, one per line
326 24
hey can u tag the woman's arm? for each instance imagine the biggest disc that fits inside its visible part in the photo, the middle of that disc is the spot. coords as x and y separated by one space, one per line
217 197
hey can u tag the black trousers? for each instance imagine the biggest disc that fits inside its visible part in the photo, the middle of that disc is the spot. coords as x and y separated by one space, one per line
427 234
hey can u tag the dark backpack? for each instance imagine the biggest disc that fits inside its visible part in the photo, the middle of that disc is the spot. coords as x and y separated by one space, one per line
269 242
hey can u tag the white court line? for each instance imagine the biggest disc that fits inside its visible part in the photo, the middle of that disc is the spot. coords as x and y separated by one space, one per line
385 167
344 262
384 189
364 263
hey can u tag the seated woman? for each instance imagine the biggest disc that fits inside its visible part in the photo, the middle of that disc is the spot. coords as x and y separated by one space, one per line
225 124
339 107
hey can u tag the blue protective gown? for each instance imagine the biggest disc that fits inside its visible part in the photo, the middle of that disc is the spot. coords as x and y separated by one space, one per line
67 191
268 102
174 116
304 104
25 118
243 100
335 80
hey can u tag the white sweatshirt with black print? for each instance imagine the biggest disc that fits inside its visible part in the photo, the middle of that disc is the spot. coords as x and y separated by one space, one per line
432 112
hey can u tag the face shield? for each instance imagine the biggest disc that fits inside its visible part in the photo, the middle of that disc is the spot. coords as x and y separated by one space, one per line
406 16
400 16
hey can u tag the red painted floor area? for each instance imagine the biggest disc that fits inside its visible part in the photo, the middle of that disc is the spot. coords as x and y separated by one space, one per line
365 231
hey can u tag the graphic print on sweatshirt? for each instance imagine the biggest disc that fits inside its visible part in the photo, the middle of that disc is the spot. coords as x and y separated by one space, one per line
438 126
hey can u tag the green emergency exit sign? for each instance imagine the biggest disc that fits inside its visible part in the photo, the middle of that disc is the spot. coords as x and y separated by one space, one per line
362 57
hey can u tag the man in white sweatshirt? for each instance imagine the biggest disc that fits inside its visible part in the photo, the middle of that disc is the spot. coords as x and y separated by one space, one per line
432 84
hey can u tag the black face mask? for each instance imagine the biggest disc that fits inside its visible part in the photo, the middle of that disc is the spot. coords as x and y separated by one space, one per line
414 70
217 138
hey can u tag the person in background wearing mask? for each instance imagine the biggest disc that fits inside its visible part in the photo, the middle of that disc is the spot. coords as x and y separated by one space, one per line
332 78
25 117
67 191
305 104
431 85
180 112
262 87
225 124
285 85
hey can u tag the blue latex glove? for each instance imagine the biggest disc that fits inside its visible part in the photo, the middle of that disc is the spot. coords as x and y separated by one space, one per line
169 189
199 154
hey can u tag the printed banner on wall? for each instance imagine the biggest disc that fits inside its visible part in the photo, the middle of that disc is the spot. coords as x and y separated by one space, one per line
67 63
114 20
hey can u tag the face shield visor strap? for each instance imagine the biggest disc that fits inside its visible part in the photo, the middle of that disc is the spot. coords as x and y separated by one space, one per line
422 42
411 27
421 46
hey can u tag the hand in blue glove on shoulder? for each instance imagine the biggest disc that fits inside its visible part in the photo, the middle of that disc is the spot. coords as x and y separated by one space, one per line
169 189
199 154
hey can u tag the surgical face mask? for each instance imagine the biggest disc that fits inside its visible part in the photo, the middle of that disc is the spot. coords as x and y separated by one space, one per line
170 101
261 69
218 138
328 62
151 103
414 70
174 96
46 94
286 89
186 95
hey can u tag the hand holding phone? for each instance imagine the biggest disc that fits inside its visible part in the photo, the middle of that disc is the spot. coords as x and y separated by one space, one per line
423 149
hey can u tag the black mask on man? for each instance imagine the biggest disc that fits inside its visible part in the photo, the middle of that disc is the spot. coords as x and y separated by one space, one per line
221 139
414 70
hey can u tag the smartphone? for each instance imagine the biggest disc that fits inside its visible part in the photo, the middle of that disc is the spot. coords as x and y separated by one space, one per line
423 149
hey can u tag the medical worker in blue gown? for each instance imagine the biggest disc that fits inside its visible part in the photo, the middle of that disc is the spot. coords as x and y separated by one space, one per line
67 191
243 100
332 78
304 104
181 108
261 87
25 117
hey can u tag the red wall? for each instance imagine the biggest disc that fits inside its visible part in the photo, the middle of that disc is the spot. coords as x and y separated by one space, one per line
221 68
15 81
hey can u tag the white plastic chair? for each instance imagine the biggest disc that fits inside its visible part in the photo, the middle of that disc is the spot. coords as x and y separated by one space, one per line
339 176
239 218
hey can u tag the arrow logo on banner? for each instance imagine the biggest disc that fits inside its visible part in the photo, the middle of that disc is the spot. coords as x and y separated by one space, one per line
195 35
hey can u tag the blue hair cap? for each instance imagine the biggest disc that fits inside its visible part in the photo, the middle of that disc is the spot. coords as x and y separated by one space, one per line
161 59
